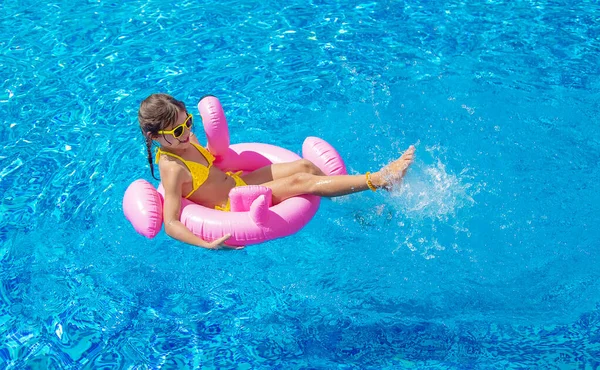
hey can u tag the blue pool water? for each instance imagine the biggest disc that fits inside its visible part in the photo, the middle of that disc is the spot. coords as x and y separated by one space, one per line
486 257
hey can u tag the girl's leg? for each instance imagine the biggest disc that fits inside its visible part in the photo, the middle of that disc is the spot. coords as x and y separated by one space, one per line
325 186
334 186
280 171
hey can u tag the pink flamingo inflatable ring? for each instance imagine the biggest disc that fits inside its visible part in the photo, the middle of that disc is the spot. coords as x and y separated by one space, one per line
253 218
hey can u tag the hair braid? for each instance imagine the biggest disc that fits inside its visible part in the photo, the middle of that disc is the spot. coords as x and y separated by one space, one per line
149 149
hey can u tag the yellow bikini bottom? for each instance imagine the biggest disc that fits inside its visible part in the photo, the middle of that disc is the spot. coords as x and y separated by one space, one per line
238 182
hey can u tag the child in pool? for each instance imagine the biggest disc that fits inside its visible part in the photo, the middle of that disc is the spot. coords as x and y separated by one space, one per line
186 170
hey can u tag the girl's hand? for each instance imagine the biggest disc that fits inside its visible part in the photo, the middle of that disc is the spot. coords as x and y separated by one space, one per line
218 244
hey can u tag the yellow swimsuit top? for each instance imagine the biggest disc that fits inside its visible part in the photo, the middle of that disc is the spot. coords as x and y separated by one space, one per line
198 171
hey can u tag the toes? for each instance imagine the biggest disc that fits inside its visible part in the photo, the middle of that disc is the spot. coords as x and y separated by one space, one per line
407 155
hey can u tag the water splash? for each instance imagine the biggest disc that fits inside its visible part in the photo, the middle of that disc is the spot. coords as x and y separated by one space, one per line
428 202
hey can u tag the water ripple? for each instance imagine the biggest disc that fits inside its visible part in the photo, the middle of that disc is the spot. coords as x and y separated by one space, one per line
485 257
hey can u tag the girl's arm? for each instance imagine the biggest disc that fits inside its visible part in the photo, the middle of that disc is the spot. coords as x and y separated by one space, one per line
172 179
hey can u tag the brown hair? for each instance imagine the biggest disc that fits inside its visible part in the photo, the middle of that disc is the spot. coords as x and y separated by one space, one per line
157 112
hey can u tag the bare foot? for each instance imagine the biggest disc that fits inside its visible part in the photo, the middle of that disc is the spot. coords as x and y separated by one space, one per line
394 171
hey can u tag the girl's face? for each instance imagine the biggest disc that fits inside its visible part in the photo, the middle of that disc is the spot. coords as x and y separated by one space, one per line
177 135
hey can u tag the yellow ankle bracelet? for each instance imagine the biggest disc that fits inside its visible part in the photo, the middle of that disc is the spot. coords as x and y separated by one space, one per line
369 183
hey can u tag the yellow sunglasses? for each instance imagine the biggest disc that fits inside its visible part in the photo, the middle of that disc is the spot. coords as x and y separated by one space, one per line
180 129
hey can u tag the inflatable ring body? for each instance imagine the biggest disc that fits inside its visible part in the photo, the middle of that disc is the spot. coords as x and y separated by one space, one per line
253 218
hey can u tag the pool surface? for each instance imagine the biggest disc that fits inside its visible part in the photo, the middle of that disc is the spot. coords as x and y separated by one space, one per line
486 257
